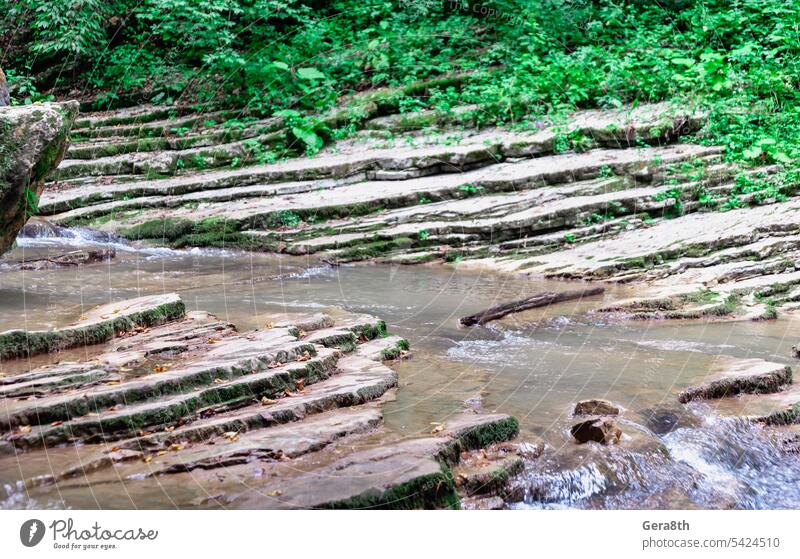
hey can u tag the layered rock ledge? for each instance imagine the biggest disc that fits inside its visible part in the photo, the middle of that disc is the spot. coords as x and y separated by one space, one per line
164 392
604 196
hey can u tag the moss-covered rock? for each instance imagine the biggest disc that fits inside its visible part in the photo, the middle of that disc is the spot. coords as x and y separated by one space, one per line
33 139
99 325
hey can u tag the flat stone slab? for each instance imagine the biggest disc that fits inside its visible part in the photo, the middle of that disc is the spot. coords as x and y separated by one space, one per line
98 325
773 409
730 376
404 475
382 349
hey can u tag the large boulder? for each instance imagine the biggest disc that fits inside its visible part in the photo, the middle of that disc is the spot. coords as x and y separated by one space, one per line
33 139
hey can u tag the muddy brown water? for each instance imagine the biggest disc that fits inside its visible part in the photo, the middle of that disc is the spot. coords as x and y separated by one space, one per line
534 365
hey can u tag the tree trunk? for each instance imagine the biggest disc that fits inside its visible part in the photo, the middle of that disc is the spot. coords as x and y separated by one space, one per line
538 300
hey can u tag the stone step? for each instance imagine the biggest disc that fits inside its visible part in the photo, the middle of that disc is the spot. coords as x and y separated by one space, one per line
111 133
230 357
128 419
69 376
383 349
129 115
774 409
354 382
408 474
479 148
97 325
688 235
360 198
280 442
730 376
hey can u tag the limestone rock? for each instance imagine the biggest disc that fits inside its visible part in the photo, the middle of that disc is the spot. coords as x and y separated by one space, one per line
598 429
97 325
730 376
595 406
33 139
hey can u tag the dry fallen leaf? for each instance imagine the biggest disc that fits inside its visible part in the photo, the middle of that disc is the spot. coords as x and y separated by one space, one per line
438 428
169 429
300 385
160 368
25 429
267 401
56 423
276 493
83 317
301 334
219 381
112 383
161 453
213 340
176 447
147 459
305 357
232 436
269 325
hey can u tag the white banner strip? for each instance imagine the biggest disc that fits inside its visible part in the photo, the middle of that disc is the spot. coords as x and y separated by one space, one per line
356 534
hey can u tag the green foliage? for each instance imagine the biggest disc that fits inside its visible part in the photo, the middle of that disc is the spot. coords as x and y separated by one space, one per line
739 60
470 189
676 208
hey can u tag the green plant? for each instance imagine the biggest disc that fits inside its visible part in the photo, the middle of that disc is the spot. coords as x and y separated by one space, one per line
470 189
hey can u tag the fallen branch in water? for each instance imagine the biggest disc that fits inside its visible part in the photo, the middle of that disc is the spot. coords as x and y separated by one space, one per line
538 300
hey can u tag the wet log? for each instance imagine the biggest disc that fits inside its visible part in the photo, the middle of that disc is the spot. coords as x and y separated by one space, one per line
538 300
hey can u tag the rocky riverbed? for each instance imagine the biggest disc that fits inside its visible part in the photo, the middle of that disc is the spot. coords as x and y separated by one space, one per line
258 410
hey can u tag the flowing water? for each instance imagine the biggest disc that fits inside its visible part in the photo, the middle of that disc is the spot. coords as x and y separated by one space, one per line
534 365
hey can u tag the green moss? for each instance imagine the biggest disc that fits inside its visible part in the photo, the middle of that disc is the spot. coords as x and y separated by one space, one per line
432 491
370 330
770 313
728 307
395 351
703 296
375 249
212 232
482 436
21 343
784 417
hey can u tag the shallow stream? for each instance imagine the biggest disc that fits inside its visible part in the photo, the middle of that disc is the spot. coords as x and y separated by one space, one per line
534 365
